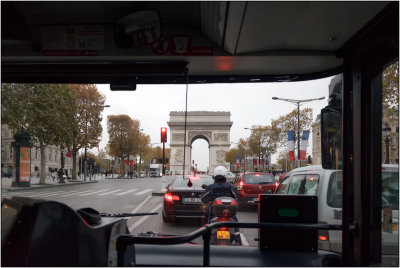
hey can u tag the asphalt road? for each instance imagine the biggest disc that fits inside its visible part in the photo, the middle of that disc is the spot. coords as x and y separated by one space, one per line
131 196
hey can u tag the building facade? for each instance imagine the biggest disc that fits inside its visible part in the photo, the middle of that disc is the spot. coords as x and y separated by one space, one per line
52 156
316 141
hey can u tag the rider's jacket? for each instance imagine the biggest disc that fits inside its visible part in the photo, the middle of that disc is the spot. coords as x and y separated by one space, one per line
218 189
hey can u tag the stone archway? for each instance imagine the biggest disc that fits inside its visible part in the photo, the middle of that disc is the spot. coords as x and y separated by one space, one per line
214 127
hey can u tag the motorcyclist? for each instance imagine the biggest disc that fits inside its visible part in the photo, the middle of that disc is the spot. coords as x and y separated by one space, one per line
220 188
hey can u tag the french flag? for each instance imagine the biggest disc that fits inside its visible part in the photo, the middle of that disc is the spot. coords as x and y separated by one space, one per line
291 144
304 144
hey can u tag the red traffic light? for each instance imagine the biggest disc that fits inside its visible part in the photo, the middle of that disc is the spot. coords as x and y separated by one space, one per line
163 134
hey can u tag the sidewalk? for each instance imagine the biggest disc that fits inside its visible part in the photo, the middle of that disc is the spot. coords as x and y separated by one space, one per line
6 183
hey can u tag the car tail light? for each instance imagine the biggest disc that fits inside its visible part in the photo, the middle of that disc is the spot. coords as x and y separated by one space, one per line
218 202
323 235
170 197
234 203
276 184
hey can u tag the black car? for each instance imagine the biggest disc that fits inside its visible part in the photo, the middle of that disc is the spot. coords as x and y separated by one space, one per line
182 198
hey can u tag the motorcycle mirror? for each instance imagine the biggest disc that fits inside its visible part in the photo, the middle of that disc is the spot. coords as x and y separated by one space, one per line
189 184
204 186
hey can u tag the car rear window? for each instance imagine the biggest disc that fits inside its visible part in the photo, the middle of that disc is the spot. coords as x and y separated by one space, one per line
335 190
196 181
258 179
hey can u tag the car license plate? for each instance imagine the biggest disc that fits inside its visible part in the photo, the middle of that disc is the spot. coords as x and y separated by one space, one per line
223 235
186 200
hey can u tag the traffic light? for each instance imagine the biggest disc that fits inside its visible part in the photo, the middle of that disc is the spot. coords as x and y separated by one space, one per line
163 134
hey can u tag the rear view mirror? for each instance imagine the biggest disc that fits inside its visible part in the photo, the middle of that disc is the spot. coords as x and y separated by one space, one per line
138 29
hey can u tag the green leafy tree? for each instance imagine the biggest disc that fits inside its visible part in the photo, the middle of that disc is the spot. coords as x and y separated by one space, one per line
86 124
45 111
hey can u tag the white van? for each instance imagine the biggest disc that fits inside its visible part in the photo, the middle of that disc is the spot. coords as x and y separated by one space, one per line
327 184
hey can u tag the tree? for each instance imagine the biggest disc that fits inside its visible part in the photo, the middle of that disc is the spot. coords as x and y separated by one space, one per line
123 136
142 146
45 111
230 156
243 150
86 125
390 88
263 140
288 122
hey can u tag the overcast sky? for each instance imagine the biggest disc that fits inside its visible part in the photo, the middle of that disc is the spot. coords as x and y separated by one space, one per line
249 104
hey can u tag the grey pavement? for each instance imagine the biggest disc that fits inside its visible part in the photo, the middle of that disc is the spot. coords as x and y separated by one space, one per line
49 182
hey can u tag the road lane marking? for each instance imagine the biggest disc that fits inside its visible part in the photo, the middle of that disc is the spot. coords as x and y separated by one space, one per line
92 193
127 192
43 194
80 192
141 204
144 218
28 193
111 192
53 194
244 240
145 191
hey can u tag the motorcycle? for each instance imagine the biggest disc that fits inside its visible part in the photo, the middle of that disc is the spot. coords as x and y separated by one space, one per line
224 209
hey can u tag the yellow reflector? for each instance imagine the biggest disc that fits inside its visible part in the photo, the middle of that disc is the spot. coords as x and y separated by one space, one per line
394 226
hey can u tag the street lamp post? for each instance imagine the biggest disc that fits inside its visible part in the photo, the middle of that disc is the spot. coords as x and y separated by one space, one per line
298 103
386 133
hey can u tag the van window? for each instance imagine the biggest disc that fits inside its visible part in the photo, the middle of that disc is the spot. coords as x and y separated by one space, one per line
295 184
282 186
311 184
335 190
390 189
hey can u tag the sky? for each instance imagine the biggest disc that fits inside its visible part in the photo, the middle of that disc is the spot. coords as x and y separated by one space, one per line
249 104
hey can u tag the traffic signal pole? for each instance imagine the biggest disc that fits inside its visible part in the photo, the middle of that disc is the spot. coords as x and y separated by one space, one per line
163 158
163 140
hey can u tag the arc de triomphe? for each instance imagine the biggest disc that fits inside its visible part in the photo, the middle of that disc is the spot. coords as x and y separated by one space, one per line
214 127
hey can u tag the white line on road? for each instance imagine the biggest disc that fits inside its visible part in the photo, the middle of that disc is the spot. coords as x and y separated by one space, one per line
44 194
29 193
80 192
145 191
53 194
244 240
127 192
141 220
141 204
92 193
111 192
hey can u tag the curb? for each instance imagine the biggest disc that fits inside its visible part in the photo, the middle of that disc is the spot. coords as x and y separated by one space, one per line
38 186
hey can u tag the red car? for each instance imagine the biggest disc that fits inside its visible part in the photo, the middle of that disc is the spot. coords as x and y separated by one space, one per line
250 185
